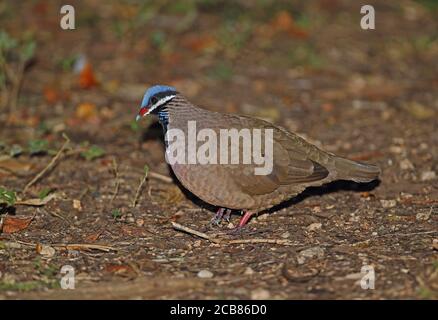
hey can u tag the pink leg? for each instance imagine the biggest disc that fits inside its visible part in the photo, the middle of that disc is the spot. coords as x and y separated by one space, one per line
245 219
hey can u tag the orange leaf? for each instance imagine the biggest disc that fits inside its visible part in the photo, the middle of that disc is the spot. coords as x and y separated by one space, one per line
11 224
51 95
87 79
284 22
118 269
200 43
86 111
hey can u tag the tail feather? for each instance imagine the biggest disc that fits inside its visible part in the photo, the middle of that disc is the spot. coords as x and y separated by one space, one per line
356 171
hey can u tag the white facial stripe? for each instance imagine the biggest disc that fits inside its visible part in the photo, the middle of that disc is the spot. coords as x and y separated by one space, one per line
160 102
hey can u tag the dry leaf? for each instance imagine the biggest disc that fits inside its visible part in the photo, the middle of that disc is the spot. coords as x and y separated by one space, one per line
284 22
86 111
13 224
15 166
119 269
51 95
45 250
77 204
87 78
36 201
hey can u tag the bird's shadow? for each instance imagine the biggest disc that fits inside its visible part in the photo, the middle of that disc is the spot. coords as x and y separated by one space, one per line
335 186
331 187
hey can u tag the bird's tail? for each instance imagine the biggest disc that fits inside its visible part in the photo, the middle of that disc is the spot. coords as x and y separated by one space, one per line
356 171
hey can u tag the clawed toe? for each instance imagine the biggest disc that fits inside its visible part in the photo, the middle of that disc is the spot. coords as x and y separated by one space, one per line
221 214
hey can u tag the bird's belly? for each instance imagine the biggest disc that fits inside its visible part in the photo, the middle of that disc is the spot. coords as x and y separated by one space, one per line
210 184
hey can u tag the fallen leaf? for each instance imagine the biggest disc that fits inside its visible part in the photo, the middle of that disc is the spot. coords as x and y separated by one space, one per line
200 43
77 204
87 78
419 111
284 22
45 250
133 231
15 166
51 95
13 224
119 269
94 236
36 201
86 111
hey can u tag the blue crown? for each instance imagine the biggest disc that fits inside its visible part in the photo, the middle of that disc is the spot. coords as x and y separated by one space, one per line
152 91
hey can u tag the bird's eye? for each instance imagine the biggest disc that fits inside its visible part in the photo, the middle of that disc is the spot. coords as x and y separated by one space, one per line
154 100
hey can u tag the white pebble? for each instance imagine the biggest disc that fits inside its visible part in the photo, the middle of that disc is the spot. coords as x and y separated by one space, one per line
205 274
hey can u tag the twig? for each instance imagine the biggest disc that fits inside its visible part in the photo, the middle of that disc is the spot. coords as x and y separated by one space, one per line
283 242
213 239
83 246
142 182
116 173
160 177
202 235
57 215
394 235
72 246
49 166
17 87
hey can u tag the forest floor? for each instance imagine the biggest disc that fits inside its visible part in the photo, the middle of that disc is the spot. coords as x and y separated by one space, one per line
370 95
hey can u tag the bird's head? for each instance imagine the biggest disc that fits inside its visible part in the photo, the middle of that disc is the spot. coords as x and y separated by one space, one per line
155 100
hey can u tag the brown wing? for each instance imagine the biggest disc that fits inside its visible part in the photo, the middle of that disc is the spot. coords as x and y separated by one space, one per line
291 166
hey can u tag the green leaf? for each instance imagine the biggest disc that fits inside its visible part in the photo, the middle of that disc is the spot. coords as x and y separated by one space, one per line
6 42
92 153
158 38
28 50
44 193
38 146
135 126
116 213
7 197
146 169
67 63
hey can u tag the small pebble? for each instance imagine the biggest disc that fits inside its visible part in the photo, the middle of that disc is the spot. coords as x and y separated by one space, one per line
406 164
139 222
205 274
423 216
285 235
249 271
260 294
314 226
310 253
388 203
197 243
428 175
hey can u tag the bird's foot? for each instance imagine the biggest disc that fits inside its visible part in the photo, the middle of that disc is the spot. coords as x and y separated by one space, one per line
243 221
221 214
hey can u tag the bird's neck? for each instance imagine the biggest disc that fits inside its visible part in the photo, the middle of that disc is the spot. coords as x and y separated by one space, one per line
163 118
177 113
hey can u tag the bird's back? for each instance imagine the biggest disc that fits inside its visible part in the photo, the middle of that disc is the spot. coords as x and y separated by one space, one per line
297 164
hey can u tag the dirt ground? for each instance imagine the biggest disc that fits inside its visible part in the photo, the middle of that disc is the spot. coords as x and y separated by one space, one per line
369 95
